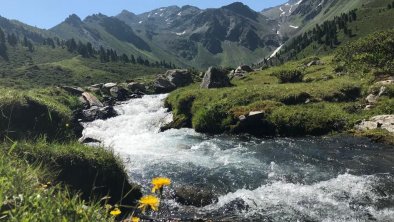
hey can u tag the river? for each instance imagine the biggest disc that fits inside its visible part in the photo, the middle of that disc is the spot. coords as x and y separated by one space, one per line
338 178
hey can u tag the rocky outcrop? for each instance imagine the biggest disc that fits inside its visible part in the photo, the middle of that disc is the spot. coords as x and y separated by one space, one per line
163 85
94 113
136 87
119 93
241 71
377 122
91 100
179 77
215 78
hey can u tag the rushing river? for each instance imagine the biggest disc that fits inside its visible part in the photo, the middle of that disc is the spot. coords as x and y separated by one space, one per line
280 179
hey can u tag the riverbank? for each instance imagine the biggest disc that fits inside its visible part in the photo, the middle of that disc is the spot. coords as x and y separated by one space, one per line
312 96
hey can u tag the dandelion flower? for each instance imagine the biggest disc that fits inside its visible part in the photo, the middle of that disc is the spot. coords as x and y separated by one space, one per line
149 201
115 212
135 219
159 183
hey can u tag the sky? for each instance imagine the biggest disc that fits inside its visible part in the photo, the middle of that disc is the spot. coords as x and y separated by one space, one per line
48 13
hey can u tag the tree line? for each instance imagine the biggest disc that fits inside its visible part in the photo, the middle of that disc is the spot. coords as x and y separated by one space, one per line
86 50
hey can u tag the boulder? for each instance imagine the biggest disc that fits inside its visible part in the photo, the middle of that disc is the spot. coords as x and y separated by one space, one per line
215 78
119 93
162 85
98 86
241 71
94 113
109 85
245 68
179 77
377 122
386 82
194 196
91 100
77 91
371 98
314 63
136 87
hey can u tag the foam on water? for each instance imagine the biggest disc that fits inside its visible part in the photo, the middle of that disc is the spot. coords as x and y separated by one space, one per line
276 179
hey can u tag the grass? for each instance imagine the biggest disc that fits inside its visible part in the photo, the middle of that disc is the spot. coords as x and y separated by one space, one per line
25 195
323 102
50 67
31 113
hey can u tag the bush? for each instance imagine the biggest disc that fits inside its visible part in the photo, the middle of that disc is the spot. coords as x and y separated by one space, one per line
289 76
374 51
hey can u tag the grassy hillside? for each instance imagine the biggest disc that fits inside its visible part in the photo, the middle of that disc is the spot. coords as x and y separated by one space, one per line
47 66
324 100
371 16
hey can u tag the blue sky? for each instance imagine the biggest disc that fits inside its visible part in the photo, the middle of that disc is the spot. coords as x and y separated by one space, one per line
48 13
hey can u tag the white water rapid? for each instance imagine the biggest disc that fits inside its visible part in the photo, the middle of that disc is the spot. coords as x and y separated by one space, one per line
282 179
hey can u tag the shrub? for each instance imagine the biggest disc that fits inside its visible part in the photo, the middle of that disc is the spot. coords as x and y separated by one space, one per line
289 76
374 51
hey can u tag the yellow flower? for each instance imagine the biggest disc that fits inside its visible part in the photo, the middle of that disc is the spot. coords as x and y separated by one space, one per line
149 201
115 212
135 219
159 182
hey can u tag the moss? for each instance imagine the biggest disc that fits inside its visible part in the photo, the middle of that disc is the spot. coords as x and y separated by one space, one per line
376 135
313 119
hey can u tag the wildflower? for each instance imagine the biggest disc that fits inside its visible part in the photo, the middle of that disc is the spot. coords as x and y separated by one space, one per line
115 212
135 219
149 201
159 182
67 125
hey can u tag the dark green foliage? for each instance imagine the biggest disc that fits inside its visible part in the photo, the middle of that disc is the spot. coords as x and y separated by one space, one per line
375 51
289 76
210 119
3 47
326 33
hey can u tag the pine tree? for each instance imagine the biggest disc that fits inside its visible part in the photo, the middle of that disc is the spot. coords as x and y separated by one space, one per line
3 46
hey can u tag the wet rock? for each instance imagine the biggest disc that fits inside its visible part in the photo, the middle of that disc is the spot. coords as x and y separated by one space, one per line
109 85
95 113
136 87
179 77
91 100
215 78
234 206
254 123
162 85
88 140
377 122
195 196
77 91
119 93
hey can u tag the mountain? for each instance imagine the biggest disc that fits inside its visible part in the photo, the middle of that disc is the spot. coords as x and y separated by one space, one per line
187 36
228 36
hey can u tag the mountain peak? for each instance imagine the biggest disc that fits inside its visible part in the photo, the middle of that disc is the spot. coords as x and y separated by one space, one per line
241 9
73 19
